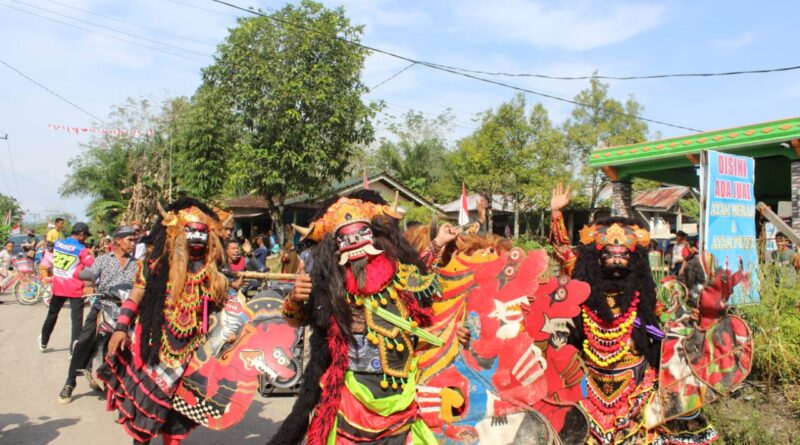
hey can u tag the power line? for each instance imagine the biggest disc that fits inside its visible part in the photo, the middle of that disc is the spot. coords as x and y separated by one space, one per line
2 172
202 8
393 76
471 114
167 33
546 76
108 28
52 92
11 161
103 34
451 70
651 76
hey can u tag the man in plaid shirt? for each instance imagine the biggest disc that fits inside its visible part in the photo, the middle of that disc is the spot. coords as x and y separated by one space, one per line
112 269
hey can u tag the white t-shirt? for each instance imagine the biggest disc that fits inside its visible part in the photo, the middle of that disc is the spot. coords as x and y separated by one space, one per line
5 260
677 253
141 250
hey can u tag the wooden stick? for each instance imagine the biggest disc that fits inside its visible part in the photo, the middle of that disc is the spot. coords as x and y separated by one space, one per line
268 276
778 222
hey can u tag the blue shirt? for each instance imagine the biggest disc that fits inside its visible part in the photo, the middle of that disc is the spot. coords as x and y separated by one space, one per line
260 254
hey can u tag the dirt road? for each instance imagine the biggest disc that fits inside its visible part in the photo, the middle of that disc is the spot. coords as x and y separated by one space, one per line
31 380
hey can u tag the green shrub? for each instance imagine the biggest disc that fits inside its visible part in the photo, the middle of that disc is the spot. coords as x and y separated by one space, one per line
775 323
527 243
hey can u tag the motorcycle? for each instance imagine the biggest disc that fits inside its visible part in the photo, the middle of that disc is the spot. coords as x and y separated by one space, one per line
106 307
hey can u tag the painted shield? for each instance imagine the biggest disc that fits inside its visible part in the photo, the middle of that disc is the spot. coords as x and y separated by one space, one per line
245 340
700 361
517 378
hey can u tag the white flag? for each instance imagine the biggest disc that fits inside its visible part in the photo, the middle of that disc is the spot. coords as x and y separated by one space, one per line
463 210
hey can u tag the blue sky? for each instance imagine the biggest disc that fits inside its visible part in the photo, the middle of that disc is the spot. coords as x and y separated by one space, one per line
569 38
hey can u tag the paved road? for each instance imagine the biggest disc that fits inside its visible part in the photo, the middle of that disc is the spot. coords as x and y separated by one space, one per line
30 382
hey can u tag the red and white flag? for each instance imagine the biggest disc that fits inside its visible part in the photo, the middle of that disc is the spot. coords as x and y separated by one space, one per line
16 230
463 210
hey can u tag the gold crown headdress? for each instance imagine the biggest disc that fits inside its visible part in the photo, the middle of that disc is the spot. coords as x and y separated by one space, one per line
225 217
346 211
176 220
615 235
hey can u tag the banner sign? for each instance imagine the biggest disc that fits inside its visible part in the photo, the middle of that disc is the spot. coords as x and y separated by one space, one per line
109 131
730 219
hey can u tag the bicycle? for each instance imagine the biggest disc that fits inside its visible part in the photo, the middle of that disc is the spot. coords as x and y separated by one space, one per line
28 288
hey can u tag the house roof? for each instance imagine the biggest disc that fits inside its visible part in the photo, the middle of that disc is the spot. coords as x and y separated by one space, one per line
500 203
356 183
663 198
674 160
247 202
346 186
764 137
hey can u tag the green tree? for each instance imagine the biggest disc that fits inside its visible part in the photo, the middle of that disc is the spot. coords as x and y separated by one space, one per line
690 207
516 153
10 204
417 155
294 93
642 185
604 121
125 174
203 142
9 207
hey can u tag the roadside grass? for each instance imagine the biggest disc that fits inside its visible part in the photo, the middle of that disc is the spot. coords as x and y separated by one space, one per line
767 409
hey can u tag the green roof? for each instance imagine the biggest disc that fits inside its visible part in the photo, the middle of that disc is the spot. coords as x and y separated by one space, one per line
673 160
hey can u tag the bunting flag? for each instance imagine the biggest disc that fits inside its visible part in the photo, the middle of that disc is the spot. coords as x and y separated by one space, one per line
463 210
106 131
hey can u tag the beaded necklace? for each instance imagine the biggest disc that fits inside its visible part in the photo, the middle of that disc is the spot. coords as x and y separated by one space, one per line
183 313
608 343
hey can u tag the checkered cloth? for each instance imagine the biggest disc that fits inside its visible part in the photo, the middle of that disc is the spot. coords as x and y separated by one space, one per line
198 413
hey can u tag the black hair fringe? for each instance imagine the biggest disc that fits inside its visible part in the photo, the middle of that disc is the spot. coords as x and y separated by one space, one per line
151 308
326 300
640 278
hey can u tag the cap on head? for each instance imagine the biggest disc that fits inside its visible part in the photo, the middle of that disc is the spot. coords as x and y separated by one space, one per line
81 228
124 231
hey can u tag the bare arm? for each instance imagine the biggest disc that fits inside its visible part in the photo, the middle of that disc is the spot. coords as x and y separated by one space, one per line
119 339
559 237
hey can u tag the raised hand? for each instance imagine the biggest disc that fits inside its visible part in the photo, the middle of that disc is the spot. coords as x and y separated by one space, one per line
560 197
447 233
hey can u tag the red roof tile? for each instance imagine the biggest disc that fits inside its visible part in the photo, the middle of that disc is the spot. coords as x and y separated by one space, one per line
247 202
662 198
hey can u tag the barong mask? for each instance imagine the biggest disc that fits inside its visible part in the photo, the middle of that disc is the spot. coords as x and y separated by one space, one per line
196 238
616 243
344 212
355 242
349 221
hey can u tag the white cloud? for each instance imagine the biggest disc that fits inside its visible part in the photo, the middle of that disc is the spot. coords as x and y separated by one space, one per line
575 26
734 42
374 14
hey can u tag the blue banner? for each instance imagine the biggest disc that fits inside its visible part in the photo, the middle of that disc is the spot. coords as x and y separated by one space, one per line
730 220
